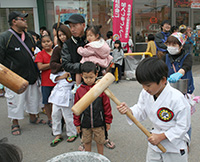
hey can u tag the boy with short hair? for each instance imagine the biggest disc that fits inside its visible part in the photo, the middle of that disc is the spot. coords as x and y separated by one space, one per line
166 108
92 121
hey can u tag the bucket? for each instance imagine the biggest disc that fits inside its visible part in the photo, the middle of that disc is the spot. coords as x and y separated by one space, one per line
181 85
79 156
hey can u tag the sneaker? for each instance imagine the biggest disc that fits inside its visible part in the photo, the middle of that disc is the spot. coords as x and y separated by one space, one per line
81 147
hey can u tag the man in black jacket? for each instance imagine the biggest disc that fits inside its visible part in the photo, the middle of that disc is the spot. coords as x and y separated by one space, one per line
161 37
16 57
70 57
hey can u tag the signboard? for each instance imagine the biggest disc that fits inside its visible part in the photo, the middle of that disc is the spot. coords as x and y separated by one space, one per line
195 4
182 3
69 8
122 12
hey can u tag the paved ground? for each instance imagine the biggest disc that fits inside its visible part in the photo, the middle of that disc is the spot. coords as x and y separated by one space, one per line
130 142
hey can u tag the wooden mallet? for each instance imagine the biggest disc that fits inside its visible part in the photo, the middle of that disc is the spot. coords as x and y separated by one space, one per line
95 91
128 113
12 81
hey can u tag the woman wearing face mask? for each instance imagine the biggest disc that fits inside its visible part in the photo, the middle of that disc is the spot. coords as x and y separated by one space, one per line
179 63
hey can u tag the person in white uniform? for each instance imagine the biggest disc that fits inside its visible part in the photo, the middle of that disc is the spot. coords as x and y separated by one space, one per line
62 100
166 108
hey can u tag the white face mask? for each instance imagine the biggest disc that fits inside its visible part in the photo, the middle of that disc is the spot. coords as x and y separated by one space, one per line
173 50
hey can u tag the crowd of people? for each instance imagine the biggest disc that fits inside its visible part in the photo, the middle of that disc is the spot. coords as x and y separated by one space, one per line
51 68
62 70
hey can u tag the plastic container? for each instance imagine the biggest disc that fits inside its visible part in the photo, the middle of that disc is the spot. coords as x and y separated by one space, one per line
181 85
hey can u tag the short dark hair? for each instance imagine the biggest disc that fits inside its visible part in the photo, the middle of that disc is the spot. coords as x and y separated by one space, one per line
46 36
109 34
173 40
49 33
182 31
151 37
43 28
174 28
88 66
34 34
165 22
9 152
151 69
55 26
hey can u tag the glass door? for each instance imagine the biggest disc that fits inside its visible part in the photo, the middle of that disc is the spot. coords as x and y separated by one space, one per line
182 16
195 18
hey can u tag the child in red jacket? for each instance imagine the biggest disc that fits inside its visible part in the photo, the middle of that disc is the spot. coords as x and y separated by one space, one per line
92 121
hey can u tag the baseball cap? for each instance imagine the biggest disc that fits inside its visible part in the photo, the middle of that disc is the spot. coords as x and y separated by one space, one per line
15 14
75 19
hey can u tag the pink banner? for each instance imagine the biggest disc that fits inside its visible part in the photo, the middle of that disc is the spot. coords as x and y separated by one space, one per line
122 11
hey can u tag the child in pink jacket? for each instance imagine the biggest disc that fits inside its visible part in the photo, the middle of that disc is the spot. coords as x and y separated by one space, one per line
96 51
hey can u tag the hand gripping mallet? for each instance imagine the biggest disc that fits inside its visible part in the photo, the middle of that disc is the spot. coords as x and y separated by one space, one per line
128 113
95 91
12 81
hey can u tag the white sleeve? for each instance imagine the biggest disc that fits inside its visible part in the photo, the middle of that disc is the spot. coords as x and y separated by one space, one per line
130 42
53 77
36 50
138 109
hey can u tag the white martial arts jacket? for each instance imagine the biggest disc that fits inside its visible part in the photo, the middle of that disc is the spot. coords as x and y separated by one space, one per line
170 114
61 94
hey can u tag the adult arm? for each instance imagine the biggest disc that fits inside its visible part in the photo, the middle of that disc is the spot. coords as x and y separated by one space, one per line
67 62
55 63
159 42
2 47
187 65
42 66
190 40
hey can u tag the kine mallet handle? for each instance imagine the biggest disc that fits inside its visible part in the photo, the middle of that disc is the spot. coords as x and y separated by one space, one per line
128 113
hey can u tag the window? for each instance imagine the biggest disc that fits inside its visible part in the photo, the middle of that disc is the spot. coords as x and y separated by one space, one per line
148 16
4 18
102 12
